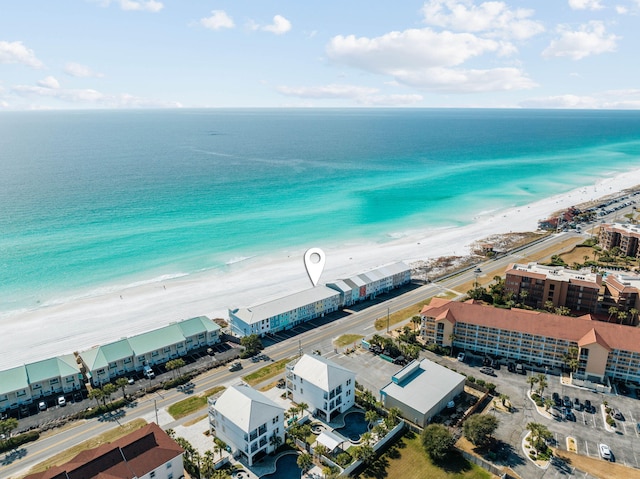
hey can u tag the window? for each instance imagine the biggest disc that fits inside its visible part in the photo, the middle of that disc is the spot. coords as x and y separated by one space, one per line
54 380
169 465
170 475
152 474
301 391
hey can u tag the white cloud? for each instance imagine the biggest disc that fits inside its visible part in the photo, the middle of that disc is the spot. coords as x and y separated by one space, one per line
362 95
585 4
492 17
80 71
49 82
425 59
218 19
590 39
279 26
137 5
16 52
50 88
628 99
621 9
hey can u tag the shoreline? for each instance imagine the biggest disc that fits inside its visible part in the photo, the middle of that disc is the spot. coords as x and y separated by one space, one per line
72 326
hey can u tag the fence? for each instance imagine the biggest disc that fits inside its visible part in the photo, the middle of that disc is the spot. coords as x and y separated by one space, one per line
379 447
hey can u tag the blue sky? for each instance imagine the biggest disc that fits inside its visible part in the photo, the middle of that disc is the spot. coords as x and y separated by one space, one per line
79 54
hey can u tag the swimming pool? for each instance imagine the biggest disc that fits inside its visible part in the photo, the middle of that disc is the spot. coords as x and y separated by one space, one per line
286 468
354 426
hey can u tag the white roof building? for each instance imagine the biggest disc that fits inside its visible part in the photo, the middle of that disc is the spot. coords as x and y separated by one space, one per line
248 421
326 387
421 390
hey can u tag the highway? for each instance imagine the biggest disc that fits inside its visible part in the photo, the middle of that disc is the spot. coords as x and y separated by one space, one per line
319 338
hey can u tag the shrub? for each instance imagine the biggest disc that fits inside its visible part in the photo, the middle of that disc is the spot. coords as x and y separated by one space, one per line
18 440
172 383
481 382
471 379
343 459
611 422
491 387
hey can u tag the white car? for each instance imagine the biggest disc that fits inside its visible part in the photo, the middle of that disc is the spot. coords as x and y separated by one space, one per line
461 357
605 452
42 406
62 401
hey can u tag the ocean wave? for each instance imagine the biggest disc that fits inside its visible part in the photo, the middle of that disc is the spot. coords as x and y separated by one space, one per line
238 259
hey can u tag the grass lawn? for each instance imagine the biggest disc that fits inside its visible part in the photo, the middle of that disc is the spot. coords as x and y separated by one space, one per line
267 372
192 404
96 441
347 339
399 316
407 459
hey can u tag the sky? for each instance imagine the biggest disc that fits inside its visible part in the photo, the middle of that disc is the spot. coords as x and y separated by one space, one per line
98 54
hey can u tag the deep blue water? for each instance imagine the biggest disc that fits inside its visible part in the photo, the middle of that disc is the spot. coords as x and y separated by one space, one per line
354 426
286 468
90 199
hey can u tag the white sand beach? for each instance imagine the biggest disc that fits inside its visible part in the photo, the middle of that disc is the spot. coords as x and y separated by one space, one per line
80 324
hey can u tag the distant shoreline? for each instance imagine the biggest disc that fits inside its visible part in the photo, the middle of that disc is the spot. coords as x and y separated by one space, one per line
38 334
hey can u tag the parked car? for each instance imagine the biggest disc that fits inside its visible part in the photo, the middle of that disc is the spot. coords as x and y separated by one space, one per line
556 399
576 404
235 367
461 357
569 416
130 380
487 370
62 401
520 369
148 372
616 414
566 402
590 408
605 452
42 406
511 367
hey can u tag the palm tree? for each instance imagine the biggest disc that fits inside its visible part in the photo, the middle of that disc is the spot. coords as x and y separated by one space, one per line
452 338
392 417
321 450
305 461
531 380
208 465
548 403
539 432
108 389
612 311
542 383
504 398
548 305
523 296
217 449
367 437
416 320
634 314
371 416
622 315
274 441
302 407
122 384
96 393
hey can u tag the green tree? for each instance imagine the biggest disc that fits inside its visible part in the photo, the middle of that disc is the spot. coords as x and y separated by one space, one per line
122 384
8 425
108 389
542 383
437 441
548 305
622 315
207 467
548 403
634 314
275 441
321 450
531 380
417 321
305 461
364 453
562 311
175 365
97 394
613 311
371 416
570 359
539 434
479 428
191 457
393 415
252 345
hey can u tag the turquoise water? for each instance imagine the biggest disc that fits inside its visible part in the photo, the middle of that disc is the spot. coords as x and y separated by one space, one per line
103 199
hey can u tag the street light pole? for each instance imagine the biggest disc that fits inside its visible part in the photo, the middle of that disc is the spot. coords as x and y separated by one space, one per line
388 313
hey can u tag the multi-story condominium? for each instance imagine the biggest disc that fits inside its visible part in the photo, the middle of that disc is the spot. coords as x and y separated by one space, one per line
372 283
326 387
284 313
623 236
250 423
535 285
604 350
621 292
148 453
24 384
109 361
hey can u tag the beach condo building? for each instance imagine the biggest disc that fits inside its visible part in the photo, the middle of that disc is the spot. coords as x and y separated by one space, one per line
22 385
605 351
104 363
54 376
326 387
421 390
14 388
148 453
621 293
250 423
372 283
284 313
537 286
624 236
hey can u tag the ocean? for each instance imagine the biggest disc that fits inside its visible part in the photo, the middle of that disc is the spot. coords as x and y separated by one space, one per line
96 201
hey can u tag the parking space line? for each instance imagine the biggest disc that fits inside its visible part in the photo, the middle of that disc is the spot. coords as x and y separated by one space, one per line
586 446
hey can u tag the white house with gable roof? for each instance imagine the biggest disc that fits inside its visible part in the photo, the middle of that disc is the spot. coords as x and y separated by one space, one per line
326 387
248 421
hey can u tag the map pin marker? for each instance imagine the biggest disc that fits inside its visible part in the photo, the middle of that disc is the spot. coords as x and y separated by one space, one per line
314 259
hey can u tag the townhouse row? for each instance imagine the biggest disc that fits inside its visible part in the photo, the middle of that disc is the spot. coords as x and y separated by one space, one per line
25 384
287 312
605 351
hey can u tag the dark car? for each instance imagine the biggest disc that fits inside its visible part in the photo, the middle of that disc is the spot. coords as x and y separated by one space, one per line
511 367
556 399
487 370
590 408
577 405
569 416
566 402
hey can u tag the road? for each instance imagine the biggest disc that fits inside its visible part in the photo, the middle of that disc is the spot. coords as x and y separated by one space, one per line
316 338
